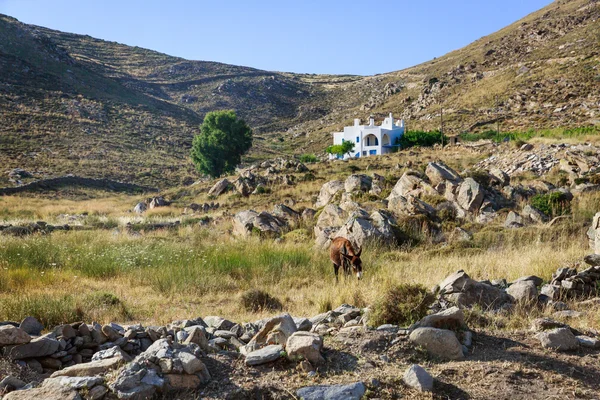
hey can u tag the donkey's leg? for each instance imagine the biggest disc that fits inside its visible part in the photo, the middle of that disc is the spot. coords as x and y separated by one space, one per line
335 270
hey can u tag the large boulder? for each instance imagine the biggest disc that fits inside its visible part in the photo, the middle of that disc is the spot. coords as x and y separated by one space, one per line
53 392
249 221
523 292
470 195
560 339
440 343
411 184
140 207
275 330
463 291
11 335
410 205
498 177
438 172
38 347
219 188
353 391
375 228
285 212
305 346
358 182
451 318
331 215
328 191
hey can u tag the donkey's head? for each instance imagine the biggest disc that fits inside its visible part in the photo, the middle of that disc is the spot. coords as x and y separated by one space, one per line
355 262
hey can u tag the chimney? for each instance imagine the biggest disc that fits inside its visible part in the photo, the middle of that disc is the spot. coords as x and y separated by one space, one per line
371 121
356 121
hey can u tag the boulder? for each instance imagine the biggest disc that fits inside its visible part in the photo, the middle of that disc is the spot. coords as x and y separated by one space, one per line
418 378
410 205
38 347
140 207
74 382
158 202
328 191
220 187
264 355
589 342
249 221
377 228
440 343
285 212
324 235
513 220
358 182
533 214
353 391
275 330
331 216
411 184
452 318
91 368
463 291
179 382
113 352
438 172
499 177
537 281
524 292
305 346
543 324
470 195
54 392
11 335
560 339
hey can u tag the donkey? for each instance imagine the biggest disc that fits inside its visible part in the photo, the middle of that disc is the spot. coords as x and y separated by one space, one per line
342 254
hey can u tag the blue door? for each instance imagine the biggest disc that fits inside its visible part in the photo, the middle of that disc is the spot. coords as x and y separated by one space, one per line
372 152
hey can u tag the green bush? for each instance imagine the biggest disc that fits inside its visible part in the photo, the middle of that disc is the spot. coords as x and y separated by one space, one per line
255 300
308 158
402 305
421 138
552 204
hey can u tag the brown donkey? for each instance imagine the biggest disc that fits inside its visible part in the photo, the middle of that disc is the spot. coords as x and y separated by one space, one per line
343 255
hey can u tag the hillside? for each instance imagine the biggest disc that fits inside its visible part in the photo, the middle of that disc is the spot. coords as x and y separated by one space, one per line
74 104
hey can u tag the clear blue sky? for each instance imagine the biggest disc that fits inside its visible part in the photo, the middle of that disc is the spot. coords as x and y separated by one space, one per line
312 36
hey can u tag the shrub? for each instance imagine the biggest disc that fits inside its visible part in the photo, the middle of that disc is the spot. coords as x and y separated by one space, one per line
403 305
552 204
420 138
258 300
308 158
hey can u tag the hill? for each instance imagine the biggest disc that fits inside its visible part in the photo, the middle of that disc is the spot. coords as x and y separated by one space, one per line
74 104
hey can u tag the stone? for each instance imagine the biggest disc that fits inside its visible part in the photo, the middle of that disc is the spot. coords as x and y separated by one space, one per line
513 220
140 207
219 323
11 335
534 214
560 339
219 188
11 383
438 172
463 291
247 222
567 314
158 201
275 331
410 205
358 182
285 212
418 378
328 191
524 292
68 332
440 343
97 392
191 364
74 382
452 318
537 281
552 291
353 391
38 347
499 177
305 346
542 324
470 196
592 259
264 355
90 369
197 335
32 326
45 393
113 352
584 341
111 333
303 324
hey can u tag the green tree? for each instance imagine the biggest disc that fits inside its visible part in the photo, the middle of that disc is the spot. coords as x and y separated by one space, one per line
222 141
341 149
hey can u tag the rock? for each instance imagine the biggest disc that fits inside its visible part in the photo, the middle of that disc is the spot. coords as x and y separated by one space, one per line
140 207
158 201
38 347
527 147
567 314
463 291
97 392
418 378
331 216
499 177
11 383
113 352
305 346
303 324
410 205
461 235
452 318
353 391
328 191
90 369
249 221
358 182
440 343
191 364
197 335
308 215
219 188
111 333
592 259
74 382
534 214
542 324
377 228
537 281
523 292
438 172
285 212
513 220
584 341
178 382
11 335
470 196
219 323
552 291
560 339
32 326
265 355
276 330
45 393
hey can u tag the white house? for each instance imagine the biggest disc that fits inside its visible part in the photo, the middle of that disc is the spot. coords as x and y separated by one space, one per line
371 140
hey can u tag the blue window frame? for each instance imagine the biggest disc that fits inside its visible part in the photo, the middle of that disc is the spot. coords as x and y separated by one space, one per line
357 139
372 152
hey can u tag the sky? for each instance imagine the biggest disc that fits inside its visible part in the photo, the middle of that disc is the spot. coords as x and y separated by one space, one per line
304 36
